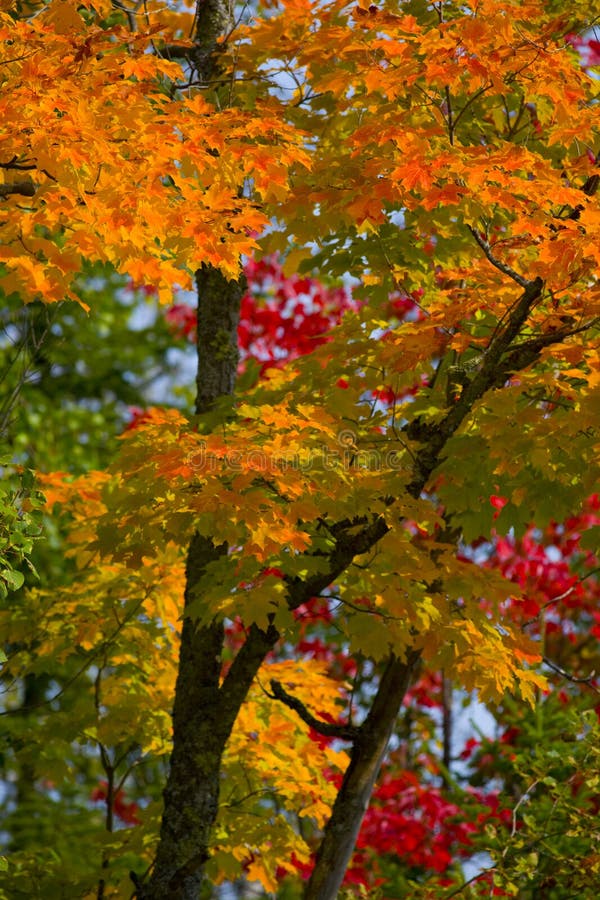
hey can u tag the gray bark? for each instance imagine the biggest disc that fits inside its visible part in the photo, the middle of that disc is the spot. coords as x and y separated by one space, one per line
203 715
204 711
217 344
213 20
335 850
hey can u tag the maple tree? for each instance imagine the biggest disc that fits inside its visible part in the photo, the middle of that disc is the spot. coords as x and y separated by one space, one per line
351 493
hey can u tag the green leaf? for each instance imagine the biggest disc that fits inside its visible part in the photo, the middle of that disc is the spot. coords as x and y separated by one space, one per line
14 579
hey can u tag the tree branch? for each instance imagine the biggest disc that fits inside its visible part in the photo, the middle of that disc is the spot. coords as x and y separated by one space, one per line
347 546
497 263
587 679
327 729
354 795
17 166
25 188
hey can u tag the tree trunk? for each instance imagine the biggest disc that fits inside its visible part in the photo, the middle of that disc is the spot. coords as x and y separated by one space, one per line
353 798
204 711
203 716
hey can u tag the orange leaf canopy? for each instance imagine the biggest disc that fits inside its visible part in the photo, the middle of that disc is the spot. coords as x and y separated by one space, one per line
155 192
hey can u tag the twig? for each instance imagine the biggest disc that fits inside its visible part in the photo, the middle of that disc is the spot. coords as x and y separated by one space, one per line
94 655
521 800
497 263
588 679
560 597
469 881
469 102
17 166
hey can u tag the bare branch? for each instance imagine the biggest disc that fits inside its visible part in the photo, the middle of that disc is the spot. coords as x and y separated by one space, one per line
327 729
588 679
455 891
560 597
497 263
17 166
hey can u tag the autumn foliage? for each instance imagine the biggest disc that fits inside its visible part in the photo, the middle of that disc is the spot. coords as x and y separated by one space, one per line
363 574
